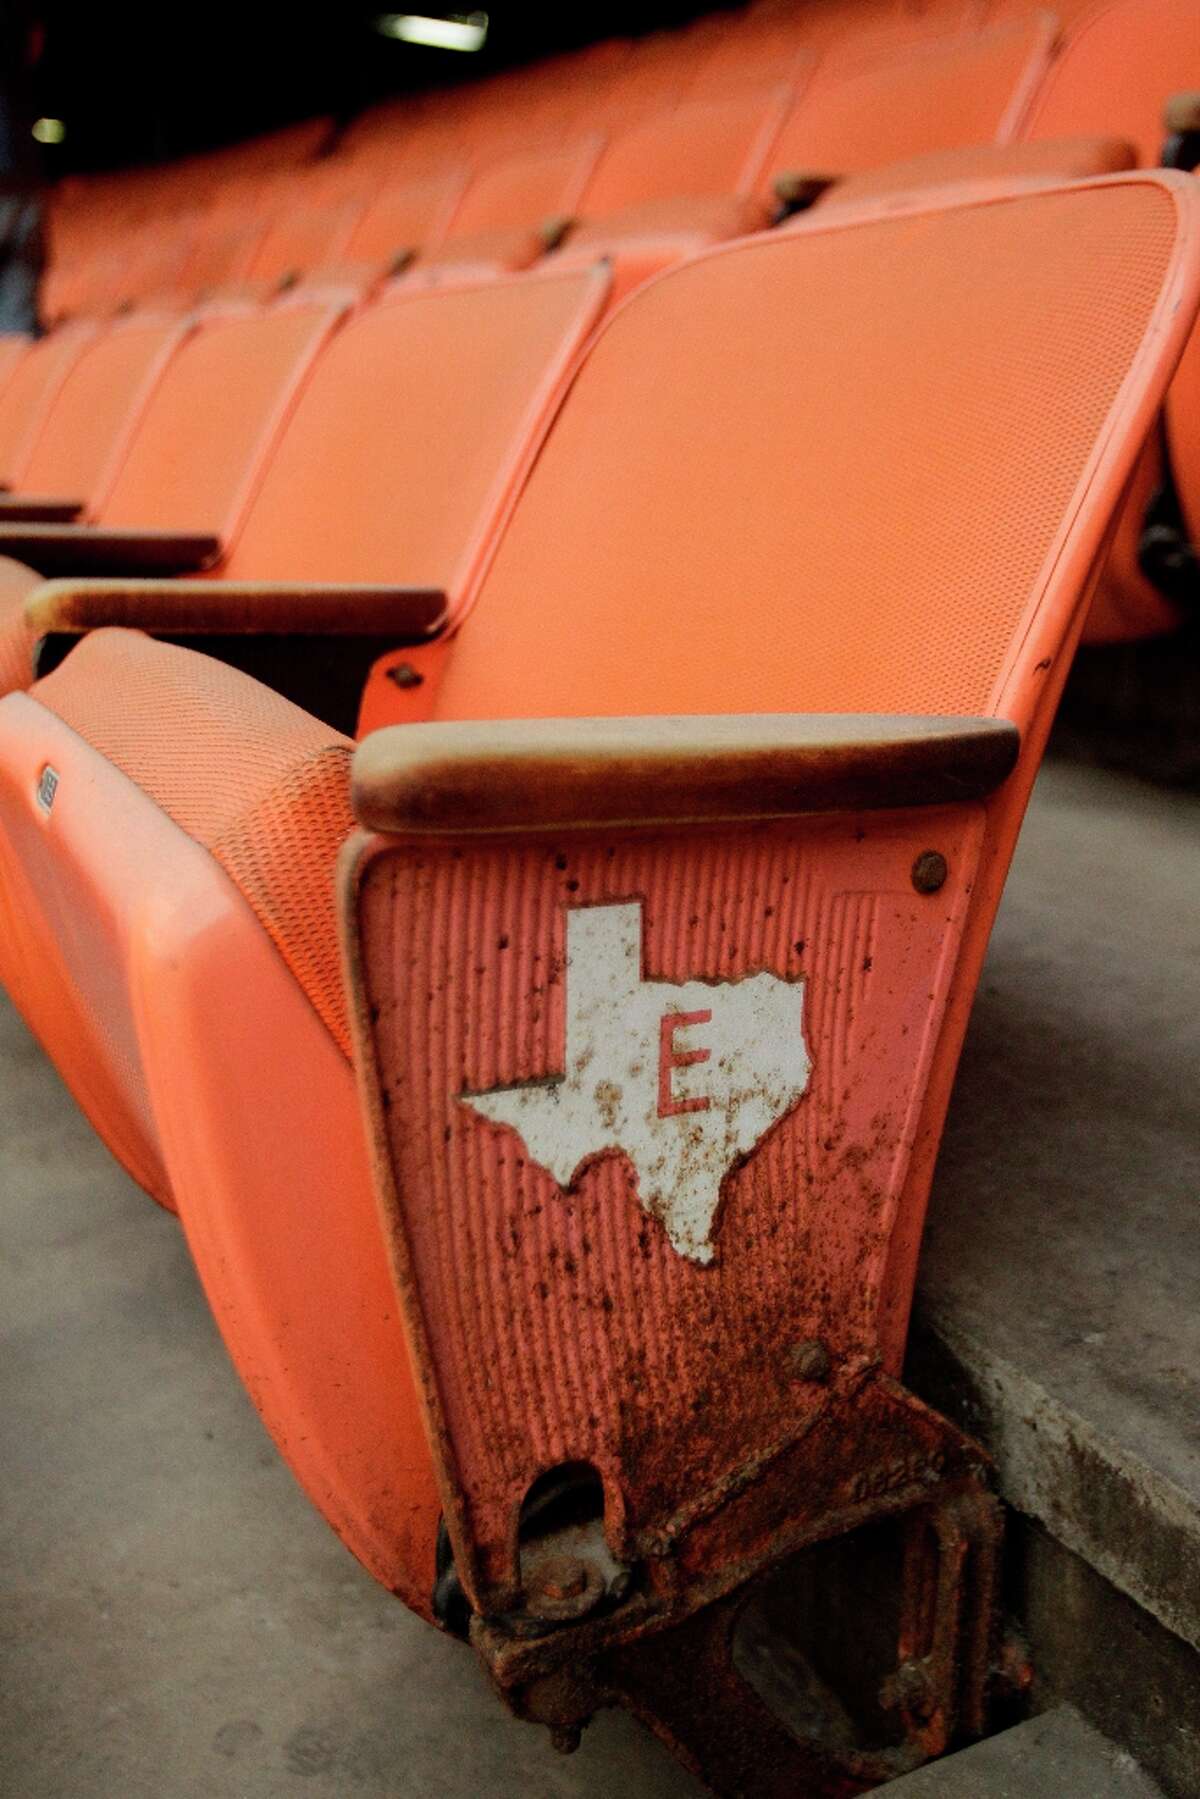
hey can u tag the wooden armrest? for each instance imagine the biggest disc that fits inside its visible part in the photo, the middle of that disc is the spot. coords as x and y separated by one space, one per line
798 189
94 549
550 774
555 230
1182 113
314 643
37 509
234 608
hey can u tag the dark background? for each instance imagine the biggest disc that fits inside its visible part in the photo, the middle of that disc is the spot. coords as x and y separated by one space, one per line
140 82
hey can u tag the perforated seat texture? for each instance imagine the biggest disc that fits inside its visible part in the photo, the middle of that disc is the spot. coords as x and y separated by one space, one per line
897 485
261 785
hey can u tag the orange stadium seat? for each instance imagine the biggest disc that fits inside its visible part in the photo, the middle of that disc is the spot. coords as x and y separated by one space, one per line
401 218
187 239
704 149
243 441
90 421
672 184
197 255
190 466
1119 63
689 543
888 102
460 385
752 54
510 213
529 620
220 251
649 80
299 238
539 106
403 448
548 927
145 260
29 392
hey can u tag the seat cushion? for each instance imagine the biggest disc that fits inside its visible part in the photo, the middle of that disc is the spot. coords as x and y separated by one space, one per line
261 785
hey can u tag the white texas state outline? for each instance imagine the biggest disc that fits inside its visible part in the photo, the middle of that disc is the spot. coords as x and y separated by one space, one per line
685 1077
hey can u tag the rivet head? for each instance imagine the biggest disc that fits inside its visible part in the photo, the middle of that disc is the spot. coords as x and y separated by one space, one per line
561 1588
911 1689
562 1578
929 871
405 675
809 1360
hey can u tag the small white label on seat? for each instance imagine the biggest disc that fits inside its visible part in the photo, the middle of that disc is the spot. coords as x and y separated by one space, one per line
685 1079
47 787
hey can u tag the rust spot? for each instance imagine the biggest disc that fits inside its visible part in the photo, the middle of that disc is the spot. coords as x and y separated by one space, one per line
809 1360
929 871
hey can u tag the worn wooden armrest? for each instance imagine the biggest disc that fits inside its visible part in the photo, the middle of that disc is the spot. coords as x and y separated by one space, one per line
95 549
37 509
315 643
262 608
798 189
555 230
550 774
1182 112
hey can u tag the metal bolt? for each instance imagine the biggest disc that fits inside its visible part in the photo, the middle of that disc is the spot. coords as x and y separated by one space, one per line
562 1588
561 1578
929 871
405 675
809 1360
913 1689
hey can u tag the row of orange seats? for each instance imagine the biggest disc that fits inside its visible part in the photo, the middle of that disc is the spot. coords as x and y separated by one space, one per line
735 629
504 794
684 145
625 139
158 442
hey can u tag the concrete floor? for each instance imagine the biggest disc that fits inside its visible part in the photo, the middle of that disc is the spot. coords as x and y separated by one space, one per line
1055 1756
1063 1223
174 1620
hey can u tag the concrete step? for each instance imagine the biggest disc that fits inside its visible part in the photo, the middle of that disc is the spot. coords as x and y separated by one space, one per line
1057 1314
1056 1756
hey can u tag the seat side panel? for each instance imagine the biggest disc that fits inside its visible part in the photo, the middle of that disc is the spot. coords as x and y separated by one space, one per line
69 877
174 1021
263 1136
